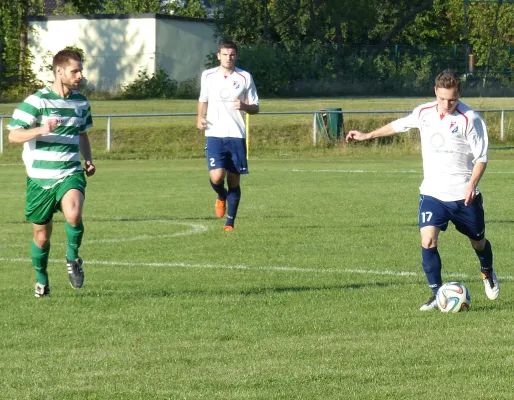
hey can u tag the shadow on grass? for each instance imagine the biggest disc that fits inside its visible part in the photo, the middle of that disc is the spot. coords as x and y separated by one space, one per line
242 292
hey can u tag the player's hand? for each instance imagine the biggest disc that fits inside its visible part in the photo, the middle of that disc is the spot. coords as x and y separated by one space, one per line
356 135
470 195
202 124
90 168
239 105
49 126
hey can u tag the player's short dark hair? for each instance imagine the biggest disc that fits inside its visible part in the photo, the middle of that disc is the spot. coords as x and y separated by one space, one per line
447 80
227 44
64 56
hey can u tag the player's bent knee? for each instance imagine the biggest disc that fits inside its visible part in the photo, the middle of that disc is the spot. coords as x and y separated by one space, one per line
478 244
41 241
74 219
428 243
217 176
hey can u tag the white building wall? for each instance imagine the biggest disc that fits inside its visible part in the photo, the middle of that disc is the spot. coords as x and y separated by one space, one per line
116 48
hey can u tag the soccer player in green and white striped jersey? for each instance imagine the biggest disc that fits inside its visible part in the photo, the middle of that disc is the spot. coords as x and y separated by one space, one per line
52 125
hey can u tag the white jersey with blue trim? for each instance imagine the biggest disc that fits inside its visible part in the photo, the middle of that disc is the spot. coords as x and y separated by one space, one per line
220 91
450 144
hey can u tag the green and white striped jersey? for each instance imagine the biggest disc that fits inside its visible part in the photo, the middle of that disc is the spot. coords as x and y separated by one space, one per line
52 157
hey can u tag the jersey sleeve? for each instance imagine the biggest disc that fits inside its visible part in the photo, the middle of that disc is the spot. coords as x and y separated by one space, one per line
477 138
88 120
251 92
204 92
26 115
405 123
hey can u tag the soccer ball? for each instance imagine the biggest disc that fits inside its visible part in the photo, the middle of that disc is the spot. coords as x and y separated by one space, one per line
453 297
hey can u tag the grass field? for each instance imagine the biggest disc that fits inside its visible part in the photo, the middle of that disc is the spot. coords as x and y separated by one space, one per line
315 295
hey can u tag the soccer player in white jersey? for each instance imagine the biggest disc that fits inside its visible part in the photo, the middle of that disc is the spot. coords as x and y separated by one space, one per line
454 149
226 93
52 125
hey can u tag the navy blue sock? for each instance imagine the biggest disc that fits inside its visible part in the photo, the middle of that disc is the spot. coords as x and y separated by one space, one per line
220 189
233 198
485 257
432 266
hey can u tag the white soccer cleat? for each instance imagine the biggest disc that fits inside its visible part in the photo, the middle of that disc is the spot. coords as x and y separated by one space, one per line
41 290
491 285
431 304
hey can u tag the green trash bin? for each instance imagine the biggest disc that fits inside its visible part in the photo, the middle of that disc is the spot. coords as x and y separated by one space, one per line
329 123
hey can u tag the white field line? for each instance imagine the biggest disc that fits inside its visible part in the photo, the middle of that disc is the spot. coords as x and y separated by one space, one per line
381 171
193 229
361 171
263 268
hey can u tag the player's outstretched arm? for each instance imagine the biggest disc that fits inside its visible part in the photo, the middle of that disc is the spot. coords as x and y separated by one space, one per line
357 136
386 130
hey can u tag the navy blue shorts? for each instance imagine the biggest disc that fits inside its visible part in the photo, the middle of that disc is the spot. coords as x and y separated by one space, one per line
468 220
226 153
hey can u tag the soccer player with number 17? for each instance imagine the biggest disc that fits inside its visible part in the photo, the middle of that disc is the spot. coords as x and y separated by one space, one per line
454 150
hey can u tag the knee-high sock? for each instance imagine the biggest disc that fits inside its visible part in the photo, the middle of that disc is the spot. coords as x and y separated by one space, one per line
220 189
432 266
485 257
233 198
40 262
74 239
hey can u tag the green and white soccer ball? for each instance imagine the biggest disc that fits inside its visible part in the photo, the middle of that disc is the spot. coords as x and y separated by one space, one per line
453 297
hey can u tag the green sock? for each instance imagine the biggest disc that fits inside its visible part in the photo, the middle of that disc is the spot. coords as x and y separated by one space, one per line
40 262
74 239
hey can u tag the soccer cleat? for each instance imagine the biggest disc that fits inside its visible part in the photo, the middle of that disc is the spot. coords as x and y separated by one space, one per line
491 284
431 304
75 272
220 208
41 290
228 228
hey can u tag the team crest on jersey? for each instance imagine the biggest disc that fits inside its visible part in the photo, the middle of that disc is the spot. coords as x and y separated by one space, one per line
454 128
79 111
236 85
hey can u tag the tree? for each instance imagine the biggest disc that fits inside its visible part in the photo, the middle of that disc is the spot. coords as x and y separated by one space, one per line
491 35
16 61
190 8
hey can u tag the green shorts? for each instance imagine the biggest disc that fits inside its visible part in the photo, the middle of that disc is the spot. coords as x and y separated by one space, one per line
41 204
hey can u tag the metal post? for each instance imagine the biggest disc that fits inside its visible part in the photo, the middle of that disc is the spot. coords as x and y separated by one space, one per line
247 123
314 130
501 125
396 56
466 44
2 135
108 133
